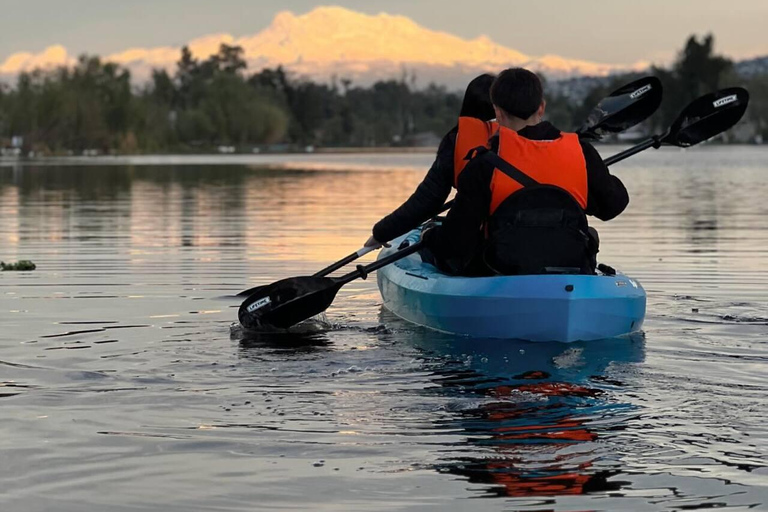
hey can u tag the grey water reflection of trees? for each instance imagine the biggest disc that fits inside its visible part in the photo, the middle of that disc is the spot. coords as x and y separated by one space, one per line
145 213
544 410
86 201
700 215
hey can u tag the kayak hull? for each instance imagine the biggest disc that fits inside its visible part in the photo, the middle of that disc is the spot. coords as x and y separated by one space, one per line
562 308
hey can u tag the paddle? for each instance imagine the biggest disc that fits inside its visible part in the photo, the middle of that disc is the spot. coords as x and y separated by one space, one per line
625 107
289 301
292 300
702 119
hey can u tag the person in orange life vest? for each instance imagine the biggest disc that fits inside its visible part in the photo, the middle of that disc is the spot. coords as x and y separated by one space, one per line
498 223
473 129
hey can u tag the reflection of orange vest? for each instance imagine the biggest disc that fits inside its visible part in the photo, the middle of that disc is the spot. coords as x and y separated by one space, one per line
472 133
558 162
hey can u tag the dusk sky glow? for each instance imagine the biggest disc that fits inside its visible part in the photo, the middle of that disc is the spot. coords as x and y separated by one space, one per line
596 30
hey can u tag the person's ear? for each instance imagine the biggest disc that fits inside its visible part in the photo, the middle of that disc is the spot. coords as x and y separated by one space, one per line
499 113
542 108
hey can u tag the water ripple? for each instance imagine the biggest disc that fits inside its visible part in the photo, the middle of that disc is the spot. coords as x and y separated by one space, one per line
146 384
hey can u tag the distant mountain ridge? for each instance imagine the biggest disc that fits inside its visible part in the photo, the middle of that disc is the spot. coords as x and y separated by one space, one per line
751 67
334 41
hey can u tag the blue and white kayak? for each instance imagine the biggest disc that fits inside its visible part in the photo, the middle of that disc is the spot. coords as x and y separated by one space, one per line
556 307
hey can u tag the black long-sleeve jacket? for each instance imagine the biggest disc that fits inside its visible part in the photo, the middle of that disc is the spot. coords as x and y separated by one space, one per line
428 199
455 242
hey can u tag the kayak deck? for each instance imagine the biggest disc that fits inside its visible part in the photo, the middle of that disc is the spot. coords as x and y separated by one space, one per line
556 307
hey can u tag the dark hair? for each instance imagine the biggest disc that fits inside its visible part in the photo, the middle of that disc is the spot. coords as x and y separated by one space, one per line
517 92
477 99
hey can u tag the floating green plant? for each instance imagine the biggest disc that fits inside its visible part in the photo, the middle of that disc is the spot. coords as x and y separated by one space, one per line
19 265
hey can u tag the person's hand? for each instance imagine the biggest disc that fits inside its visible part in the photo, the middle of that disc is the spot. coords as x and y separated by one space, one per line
428 227
372 242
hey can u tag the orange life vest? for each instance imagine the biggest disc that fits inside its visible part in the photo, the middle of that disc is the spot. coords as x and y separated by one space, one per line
472 133
558 162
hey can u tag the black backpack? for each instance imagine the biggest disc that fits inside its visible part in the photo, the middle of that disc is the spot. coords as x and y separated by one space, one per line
540 229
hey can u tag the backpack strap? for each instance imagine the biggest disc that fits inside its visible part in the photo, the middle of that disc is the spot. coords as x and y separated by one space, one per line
509 169
502 165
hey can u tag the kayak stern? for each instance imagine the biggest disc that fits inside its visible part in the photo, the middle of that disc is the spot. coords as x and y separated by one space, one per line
556 307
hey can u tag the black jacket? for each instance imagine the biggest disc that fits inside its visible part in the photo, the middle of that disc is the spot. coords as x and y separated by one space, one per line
455 243
428 199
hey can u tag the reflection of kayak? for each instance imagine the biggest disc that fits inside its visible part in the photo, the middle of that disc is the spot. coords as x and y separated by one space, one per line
551 307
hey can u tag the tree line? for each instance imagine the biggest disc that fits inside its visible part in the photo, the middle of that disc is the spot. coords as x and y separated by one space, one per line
94 105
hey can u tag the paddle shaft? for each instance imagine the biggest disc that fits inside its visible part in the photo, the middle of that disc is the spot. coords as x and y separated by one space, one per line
344 261
362 252
653 142
363 271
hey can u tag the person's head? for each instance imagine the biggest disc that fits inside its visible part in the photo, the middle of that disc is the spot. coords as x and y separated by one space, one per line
477 99
518 98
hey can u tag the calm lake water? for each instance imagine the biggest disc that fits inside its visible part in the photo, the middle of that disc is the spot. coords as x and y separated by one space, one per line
123 387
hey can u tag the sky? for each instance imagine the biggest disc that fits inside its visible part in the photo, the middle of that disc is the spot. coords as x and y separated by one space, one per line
608 31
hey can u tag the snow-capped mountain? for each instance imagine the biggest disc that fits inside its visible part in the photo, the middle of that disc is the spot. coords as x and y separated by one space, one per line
334 41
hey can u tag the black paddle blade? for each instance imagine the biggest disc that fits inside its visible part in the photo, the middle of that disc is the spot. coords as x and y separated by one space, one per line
623 108
287 302
707 116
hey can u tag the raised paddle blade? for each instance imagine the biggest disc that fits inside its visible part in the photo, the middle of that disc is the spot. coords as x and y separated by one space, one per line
623 108
707 116
288 302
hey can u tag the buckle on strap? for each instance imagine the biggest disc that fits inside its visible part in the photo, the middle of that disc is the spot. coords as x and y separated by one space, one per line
472 153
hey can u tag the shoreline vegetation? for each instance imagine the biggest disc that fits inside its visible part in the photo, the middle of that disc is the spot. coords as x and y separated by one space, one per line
9 159
215 106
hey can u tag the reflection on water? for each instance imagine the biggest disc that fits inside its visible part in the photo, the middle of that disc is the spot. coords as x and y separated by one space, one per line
120 370
532 432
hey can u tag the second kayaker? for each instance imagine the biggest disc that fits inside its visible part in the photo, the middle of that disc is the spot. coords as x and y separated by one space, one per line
521 206
473 129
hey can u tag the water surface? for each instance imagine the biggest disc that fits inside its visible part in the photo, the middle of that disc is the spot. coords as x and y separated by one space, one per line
123 388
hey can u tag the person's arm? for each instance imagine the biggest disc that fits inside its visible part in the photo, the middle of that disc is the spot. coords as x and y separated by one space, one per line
428 199
455 242
607 196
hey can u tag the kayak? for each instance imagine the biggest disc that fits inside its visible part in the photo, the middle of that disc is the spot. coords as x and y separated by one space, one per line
550 307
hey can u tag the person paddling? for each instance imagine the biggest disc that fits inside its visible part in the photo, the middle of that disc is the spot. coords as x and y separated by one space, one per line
473 129
521 205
